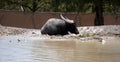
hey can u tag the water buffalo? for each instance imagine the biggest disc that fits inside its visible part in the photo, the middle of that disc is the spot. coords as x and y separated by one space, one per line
55 26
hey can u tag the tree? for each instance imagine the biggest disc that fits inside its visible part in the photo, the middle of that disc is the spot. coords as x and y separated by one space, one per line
99 20
101 6
84 6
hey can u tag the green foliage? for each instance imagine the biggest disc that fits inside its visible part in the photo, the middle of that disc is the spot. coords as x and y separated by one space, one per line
86 35
84 6
112 6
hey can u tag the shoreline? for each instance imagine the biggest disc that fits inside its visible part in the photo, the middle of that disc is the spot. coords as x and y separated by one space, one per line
85 33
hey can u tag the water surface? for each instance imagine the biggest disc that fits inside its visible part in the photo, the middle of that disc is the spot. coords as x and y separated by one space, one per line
14 49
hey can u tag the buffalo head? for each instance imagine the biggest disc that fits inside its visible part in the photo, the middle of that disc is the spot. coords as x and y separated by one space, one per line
70 24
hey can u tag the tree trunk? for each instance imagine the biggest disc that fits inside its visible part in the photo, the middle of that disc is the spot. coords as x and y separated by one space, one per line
99 20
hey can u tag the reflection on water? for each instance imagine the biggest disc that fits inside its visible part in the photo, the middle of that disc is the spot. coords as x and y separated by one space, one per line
59 51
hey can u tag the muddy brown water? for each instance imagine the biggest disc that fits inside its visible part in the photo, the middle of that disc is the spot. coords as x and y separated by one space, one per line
31 50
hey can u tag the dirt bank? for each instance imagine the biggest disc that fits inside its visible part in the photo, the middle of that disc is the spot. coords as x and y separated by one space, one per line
87 32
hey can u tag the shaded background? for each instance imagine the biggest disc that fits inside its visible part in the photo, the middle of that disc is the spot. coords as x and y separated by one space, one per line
37 19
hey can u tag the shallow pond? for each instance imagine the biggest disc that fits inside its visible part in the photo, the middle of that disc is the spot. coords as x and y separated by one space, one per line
14 49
